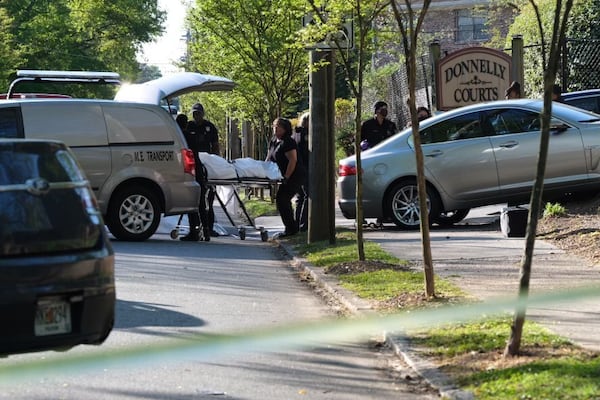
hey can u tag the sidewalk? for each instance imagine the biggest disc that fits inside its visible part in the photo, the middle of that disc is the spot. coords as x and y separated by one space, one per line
480 260
477 257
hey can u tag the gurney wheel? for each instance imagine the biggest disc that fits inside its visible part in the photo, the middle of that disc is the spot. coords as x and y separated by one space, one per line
242 233
174 233
264 235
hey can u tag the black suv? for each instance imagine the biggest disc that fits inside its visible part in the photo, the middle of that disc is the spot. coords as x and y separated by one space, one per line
586 99
57 286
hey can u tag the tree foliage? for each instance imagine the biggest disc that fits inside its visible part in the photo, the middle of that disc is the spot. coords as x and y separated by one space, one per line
251 42
148 73
581 25
11 52
329 19
101 35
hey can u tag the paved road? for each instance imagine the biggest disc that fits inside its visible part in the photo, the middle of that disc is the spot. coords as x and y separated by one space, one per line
168 288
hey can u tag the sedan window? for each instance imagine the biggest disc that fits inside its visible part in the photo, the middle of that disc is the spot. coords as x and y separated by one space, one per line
465 126
510 120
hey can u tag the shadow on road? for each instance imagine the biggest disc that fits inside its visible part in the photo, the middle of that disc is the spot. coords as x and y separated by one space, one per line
133 314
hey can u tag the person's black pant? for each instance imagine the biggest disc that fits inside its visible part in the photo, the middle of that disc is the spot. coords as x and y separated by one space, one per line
302 208
201 218
283 200
211 192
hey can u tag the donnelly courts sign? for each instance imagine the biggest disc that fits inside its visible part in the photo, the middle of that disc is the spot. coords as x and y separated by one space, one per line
472 75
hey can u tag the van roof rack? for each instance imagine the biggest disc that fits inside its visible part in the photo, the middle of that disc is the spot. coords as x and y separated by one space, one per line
91 77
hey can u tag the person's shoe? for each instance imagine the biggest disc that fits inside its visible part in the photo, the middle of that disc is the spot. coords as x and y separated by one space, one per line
192 237
214 233
206 234
288 234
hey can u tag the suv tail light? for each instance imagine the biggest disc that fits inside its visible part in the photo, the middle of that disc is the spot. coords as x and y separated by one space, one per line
189 164
347 170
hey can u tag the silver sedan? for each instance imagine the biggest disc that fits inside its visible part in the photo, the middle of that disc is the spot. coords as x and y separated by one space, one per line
474 156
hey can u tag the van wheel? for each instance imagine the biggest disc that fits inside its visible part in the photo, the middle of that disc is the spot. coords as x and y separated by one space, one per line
402 204
133 214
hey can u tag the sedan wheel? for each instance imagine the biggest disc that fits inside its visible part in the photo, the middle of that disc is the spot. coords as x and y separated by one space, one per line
403 205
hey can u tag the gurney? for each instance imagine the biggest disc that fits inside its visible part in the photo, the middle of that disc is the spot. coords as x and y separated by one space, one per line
234 185
246 173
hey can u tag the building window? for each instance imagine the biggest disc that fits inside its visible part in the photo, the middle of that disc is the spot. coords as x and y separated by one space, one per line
470 27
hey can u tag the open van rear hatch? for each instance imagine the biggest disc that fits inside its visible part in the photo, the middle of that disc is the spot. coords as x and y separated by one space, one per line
155 92
170 86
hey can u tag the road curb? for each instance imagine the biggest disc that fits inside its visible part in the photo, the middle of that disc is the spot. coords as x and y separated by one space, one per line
357 306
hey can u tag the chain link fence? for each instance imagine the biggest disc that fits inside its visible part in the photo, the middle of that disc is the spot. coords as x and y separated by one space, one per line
396 94
581 64
579 69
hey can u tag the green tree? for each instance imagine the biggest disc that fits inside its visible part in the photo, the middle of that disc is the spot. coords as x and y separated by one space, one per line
556 34
410 23
581 25
114 30
11 52
328 22
148 73
83 35
251 42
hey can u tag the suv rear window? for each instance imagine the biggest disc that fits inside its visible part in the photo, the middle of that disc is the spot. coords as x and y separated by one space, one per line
46 205
9 127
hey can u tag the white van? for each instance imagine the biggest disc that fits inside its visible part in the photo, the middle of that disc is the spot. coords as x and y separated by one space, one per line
133 153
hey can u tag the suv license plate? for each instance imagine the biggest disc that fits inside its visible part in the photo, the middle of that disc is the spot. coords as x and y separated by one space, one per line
52 317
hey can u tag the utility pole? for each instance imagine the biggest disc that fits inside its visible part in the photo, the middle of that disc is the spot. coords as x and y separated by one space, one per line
321 192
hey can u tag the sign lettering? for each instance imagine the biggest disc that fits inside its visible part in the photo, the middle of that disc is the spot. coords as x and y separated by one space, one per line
472 75
138 156
160 155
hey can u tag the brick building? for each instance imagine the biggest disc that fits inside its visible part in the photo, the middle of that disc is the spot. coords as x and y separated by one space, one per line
455 24
463 23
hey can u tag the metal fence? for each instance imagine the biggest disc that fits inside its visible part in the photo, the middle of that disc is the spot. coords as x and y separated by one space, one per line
396 92
581 64
579 70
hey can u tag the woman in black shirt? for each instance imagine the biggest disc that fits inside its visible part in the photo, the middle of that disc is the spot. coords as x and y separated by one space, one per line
283 150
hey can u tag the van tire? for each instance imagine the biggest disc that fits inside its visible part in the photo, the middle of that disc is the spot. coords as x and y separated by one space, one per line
133 214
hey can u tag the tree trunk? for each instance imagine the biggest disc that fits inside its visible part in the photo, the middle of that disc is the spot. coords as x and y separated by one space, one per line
516 332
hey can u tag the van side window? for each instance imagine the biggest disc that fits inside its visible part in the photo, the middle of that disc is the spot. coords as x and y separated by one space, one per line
9 123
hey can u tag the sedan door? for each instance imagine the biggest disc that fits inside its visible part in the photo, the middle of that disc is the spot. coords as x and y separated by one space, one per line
590 133
516 147
458 155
